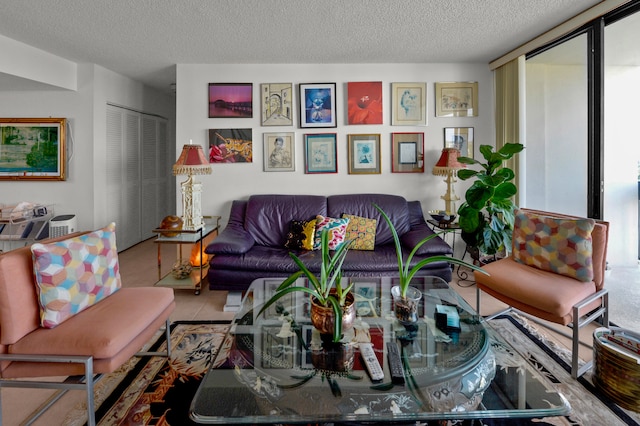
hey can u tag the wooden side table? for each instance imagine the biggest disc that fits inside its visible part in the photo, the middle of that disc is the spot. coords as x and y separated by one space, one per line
189 238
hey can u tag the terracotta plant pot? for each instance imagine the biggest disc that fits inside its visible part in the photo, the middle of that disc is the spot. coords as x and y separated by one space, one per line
406 308
323 319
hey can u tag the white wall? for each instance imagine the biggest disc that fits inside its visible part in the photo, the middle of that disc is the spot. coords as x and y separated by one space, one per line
236 181
85 110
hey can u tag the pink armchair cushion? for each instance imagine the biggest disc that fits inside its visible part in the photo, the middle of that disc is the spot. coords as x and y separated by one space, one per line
559 245
76 273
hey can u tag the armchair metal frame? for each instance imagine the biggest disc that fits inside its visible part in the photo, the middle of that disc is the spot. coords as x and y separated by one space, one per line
579 320
80 382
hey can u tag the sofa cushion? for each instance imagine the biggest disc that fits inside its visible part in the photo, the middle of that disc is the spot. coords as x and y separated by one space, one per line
361 231
558 245
301 235
267 217
337 228
76 273
395 206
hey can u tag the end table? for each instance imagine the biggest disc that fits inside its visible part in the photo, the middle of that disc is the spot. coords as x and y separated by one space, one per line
199 237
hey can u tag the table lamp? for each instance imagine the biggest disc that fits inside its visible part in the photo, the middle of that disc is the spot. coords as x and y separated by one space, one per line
192 161
448 166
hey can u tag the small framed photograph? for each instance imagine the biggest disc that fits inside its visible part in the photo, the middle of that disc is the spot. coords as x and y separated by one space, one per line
230 100
231 145
364 154
460 138
285 303
33 149
457 99
364 102
317 105
409 104
368 297
320 154
279 152
277 104
407 152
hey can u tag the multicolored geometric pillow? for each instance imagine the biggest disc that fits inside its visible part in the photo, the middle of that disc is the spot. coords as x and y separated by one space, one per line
74 274
362 231
337 230
563 246
300 235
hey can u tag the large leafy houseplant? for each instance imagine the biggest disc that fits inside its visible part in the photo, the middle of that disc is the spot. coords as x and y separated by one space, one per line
487 214
405 271
326 288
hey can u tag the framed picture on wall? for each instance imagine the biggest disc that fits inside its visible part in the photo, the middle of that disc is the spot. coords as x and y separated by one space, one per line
279 152
230 100
230 146
460 138
407 152
457 99
364 154
364 102
320 154
318 105
409 104
277 104
33 148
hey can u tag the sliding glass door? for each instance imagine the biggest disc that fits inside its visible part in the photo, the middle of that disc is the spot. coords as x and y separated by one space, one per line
556 129
621 138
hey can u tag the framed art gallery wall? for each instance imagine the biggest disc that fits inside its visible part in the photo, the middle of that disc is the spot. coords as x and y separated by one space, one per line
320 143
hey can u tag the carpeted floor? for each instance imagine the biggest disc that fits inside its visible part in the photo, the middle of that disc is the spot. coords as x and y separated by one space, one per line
156 392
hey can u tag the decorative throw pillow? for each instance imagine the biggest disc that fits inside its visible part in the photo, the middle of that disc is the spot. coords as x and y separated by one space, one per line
563 246
300 235
337 230
362 231
74 274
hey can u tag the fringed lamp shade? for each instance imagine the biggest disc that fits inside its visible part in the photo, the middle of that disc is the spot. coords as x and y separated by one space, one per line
192 161
448 165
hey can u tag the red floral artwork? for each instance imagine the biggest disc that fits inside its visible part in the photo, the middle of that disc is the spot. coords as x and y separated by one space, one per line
364 102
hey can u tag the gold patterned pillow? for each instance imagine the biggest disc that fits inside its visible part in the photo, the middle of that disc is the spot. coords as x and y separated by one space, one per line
301 234
362 232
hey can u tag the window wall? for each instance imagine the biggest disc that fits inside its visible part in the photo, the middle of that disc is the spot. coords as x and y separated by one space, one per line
583 150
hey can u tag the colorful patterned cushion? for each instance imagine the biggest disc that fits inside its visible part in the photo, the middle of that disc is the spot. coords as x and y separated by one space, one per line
300 235
74 274
563 246
337 230
362 231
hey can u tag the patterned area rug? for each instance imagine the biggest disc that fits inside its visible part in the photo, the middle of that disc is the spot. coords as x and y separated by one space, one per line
156 392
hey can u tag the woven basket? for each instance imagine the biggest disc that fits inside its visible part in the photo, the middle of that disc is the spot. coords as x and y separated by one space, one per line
616 375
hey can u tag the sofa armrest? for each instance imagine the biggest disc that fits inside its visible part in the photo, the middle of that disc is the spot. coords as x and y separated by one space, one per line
435 246
234 239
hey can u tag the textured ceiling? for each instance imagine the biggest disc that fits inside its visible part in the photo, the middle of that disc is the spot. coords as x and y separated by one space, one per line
144 39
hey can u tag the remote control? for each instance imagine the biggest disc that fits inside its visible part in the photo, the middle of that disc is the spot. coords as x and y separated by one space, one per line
395 363
371 362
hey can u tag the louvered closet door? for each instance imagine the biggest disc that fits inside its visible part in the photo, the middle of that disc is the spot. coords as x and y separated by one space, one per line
155 173
123 175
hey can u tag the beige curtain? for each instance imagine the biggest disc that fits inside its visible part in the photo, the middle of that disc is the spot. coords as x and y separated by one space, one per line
508 109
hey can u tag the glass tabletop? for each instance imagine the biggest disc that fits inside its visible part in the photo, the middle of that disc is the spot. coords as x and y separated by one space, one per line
276 368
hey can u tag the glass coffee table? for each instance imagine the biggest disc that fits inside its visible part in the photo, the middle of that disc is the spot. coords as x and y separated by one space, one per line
275 367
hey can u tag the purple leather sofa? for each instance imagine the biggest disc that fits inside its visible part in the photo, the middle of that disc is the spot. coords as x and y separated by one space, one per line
252 244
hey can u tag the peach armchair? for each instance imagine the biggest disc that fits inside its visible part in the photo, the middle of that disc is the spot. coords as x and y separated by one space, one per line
92 342
564 285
